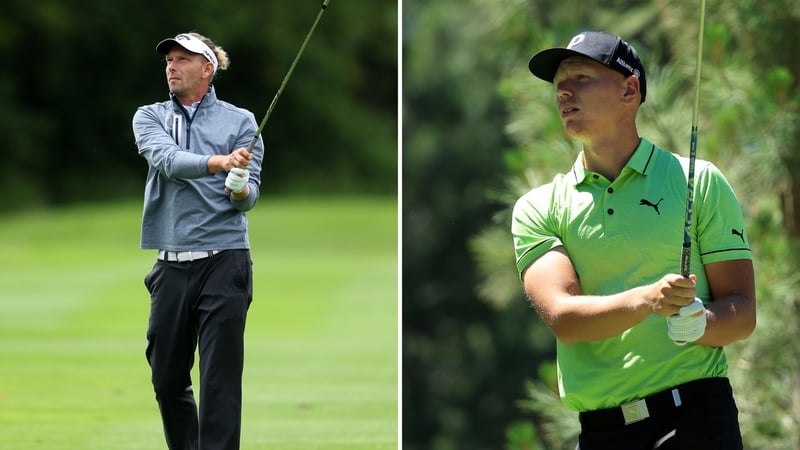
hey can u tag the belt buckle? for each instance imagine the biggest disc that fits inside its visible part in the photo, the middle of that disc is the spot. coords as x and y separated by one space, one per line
635 411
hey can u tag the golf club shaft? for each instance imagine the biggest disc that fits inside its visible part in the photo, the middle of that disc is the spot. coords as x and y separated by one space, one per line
686 250
286 78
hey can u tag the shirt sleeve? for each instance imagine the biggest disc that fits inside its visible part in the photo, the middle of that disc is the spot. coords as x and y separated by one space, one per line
160 150
719 222
249 129
533 227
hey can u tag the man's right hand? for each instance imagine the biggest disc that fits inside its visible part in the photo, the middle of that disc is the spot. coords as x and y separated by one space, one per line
669 294
239 159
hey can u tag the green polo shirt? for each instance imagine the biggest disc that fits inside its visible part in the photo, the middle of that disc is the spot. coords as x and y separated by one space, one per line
624 234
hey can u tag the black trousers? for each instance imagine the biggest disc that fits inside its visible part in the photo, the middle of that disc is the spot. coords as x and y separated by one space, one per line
706 419
205 303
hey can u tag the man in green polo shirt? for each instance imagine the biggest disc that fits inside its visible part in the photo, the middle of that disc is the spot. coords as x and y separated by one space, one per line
598 250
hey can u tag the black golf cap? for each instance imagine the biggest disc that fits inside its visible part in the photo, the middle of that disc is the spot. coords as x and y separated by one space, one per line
607 49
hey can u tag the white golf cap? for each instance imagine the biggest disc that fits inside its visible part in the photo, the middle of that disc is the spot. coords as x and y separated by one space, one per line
191 44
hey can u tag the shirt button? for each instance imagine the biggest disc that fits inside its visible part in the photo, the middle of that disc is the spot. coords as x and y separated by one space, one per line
610 211
610 190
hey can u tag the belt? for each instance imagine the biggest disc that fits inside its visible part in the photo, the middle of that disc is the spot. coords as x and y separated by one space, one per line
685 394
185 256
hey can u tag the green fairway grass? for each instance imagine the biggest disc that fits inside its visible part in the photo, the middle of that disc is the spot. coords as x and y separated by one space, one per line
321 339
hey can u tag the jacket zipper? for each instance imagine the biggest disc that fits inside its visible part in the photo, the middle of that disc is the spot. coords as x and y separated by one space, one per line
188 119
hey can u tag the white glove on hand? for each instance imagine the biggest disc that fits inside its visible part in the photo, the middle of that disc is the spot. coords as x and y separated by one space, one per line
684 328
237 179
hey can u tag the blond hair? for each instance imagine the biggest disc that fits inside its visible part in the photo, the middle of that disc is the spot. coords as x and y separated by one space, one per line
222 56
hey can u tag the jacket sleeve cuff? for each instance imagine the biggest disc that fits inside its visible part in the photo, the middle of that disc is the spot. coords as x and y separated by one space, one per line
247 203
189 165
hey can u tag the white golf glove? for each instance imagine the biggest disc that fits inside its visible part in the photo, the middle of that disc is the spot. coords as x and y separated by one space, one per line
684 328
237 179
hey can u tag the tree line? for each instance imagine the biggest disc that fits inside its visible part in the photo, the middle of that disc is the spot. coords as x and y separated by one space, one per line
480 130
74 72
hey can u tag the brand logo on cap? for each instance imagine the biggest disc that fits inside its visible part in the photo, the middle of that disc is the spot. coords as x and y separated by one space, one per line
624 64
576 41
196 45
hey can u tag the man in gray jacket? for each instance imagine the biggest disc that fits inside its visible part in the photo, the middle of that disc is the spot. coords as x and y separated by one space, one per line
200 182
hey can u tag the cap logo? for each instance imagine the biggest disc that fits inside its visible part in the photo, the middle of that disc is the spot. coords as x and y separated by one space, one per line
576 41
624 64
195 45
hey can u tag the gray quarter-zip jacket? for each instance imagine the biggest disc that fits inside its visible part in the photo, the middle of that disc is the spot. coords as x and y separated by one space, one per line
185 207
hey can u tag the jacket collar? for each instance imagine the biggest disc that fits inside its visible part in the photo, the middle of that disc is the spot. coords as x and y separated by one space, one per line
209 99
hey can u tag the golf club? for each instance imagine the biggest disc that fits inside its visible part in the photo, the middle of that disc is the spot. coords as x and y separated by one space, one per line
286 78
686 251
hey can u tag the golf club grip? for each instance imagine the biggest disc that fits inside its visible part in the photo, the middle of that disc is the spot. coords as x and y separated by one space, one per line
253 143
686 258
686 250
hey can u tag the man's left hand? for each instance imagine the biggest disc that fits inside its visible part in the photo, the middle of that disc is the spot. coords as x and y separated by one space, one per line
237 179
689 325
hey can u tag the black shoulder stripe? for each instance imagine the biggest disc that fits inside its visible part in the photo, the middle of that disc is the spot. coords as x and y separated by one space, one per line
725 250
532 249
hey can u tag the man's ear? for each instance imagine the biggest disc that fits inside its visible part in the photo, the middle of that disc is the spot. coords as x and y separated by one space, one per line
208 69
632 90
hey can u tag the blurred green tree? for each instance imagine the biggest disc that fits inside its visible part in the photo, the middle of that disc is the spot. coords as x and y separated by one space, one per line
74 72
463 360
749 108
479 131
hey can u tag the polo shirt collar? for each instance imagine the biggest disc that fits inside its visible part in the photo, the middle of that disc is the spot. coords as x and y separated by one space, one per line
642 158
640 161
